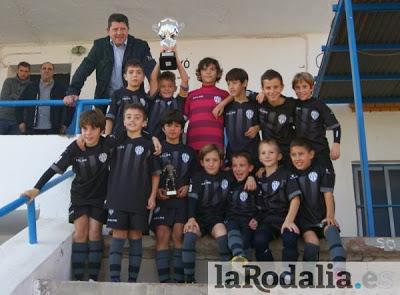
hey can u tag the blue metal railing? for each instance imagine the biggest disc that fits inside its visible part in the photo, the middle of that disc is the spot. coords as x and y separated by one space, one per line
31 218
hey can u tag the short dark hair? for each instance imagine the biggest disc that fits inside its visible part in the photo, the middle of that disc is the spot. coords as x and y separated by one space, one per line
172 116
270 141
118 18
94 118
211 148
24 64
204 63
134 63
135 106
167 75
237 74
245 155
301 142
271 74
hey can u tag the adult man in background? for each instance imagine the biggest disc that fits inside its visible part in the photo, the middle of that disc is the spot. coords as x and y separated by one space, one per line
44 119
12 89
108 57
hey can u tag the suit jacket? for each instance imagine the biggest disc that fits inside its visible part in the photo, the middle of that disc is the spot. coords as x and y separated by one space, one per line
58 115
101 59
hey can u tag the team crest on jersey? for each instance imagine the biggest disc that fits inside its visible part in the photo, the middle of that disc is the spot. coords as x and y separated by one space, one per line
185 157
139 150
110 211
275 184
224 184
282 119
313 176
103 157
142 101
249 114
217 99
314 115
169 103
243 196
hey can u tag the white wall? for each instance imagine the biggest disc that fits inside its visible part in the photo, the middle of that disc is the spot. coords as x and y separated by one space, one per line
287 55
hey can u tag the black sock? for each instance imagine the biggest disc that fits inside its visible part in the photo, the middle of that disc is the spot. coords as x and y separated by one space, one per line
78 260
135 259
224 251
115 258
162 262
178 266
189 256
95 256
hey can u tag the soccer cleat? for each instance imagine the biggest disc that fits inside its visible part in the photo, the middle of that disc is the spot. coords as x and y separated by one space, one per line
240 259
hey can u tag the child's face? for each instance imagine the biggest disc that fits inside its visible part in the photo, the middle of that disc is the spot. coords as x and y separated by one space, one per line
134 120
209 74
301 157
91 135
269 155
211 163
134 76
236 87
172 131
167 88
272 89
241 168
303 90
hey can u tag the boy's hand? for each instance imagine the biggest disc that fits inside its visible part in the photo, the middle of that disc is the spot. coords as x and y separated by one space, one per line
250 184
157 146
22 127
69 100
330 220
290 225
151 203
182 191
162 194
218 111
31 194
253 224
260 172
260 97
335 151
80 142
191 226
253 131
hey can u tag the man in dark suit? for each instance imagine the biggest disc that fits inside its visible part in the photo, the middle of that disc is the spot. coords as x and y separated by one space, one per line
108 57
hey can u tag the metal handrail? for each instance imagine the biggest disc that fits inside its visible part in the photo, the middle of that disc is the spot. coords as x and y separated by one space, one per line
56 102
31 218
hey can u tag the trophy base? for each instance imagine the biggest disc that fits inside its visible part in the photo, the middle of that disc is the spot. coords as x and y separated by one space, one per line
168 61
171 193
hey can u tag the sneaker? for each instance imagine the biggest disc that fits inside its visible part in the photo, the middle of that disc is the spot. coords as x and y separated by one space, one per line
240 259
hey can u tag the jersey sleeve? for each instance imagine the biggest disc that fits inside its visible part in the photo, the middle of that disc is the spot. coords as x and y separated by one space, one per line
193 196
154 162
113 109
292 187
327 180
328 116
65 159
44 178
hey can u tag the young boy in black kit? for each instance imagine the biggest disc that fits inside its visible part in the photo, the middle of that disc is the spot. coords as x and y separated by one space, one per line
132 188
88 192
178 164
316 218
241 117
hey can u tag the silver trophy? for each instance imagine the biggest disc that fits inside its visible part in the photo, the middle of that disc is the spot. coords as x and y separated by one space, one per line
167 29
170 180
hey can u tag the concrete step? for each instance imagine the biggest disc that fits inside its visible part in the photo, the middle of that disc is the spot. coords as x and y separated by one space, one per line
45 287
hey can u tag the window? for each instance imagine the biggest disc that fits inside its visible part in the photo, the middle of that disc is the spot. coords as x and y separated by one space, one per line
385 191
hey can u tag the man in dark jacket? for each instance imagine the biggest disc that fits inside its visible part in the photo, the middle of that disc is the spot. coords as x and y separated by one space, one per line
12 89
44 119
108 57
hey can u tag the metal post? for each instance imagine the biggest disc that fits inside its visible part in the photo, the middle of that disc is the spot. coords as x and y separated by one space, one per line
360 116
32 223
79 108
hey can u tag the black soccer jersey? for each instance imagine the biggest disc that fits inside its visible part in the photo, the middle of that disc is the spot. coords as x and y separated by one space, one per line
132 167
238 118
313 118
241 203
89 186
157 108
208 194
313 183
119 99
183 160
275 193
277 122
